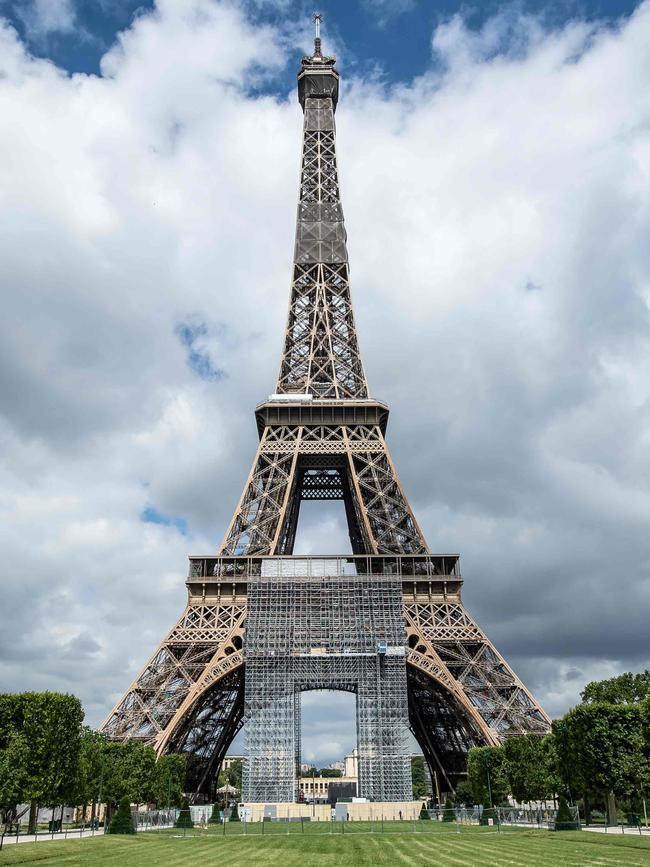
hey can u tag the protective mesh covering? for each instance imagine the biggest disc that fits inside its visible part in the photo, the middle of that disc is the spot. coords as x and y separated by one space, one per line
330 632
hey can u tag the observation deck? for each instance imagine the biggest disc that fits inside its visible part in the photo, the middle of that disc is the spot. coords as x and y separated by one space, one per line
423 576
297 410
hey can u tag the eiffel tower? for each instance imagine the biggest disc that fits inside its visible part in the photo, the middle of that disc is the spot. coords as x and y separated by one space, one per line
386 622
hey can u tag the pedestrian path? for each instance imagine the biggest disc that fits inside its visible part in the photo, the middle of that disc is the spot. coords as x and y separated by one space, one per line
618 829
44 836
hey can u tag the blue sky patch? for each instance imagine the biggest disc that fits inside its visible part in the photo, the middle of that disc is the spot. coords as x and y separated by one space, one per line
153 516
392 38
195 336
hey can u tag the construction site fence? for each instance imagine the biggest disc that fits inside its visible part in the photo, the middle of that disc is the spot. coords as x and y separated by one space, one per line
454 821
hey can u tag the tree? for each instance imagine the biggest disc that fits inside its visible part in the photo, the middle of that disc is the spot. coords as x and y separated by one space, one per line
551 764
330 773
129 770
88 784
169 780
486 774
464 794
122 822
418 777
530 767
449 814
627 688
41 731
14 760
233 775
602 749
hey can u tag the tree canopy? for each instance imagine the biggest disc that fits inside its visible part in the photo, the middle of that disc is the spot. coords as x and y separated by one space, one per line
602 748
486 774
40 736
418 777
627 688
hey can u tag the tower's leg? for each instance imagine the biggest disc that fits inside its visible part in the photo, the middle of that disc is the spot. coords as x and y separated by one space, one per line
382 730
272 733
189 696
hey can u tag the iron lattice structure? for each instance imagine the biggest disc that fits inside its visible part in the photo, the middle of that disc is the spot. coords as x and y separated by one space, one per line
387 622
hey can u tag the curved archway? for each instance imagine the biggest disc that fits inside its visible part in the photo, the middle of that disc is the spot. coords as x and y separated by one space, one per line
441 726
206 729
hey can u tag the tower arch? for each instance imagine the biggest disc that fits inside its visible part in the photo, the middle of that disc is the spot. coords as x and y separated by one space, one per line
388 620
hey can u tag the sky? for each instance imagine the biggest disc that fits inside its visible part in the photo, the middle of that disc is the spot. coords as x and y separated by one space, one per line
495 173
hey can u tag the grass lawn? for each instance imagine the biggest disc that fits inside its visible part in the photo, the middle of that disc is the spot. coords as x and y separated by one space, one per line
470 847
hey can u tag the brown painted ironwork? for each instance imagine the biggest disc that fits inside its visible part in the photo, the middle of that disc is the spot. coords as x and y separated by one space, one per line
323 437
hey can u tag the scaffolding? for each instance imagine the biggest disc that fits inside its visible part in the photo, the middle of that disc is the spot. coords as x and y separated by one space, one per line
342 632
386 623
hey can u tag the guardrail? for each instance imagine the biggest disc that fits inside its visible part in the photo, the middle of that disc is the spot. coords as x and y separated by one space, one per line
433 566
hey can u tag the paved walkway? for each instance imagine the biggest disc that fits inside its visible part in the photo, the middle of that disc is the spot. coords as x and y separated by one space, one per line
44 836
67 834
617 829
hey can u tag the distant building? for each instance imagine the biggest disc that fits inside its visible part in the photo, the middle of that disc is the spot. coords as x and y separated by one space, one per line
229 761
317 789
351 765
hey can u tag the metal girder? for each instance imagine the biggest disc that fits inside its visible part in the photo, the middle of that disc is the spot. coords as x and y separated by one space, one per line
360 469
322 437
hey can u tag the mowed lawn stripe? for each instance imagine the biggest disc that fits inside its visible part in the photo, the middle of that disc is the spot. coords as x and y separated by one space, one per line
553 850
467 849
615 850
546 852
491 851
445 853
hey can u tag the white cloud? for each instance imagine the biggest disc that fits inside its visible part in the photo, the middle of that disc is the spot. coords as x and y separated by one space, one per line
498 220
44 17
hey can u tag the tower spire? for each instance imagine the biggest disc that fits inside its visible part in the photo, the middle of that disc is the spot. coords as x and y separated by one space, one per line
386 622
317 22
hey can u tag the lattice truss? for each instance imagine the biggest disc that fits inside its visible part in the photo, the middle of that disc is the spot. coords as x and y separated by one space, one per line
189 696
285 470
452 685
323 633
321 352
447 644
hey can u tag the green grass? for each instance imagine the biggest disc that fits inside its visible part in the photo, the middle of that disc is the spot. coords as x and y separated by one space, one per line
471 848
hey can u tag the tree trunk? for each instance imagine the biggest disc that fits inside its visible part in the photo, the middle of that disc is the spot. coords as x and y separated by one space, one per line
611 808
587 805
33 815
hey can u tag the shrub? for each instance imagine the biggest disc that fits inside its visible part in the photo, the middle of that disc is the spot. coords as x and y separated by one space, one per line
487 813
449 815
215 816
424 813
234 815
564 820
184 817
122 822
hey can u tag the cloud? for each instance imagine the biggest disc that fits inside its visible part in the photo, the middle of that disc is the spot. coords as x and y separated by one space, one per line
384 10
45 17
498 218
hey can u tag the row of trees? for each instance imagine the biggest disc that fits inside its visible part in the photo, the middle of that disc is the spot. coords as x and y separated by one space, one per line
599 749
48 758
